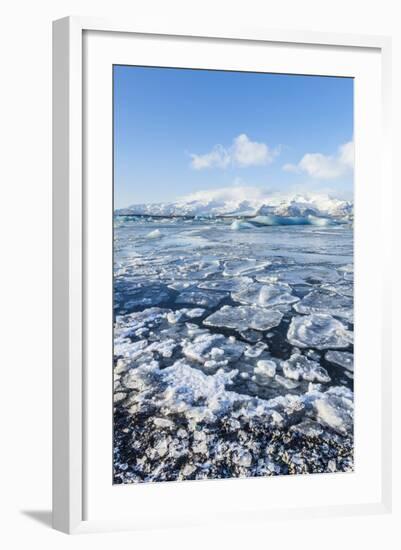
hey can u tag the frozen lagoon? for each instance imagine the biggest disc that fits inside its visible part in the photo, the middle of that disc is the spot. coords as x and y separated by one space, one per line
232 346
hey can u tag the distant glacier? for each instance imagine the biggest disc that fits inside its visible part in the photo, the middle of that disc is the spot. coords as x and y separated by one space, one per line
276 209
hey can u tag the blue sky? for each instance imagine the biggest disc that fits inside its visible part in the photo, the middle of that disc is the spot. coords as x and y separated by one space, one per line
179 131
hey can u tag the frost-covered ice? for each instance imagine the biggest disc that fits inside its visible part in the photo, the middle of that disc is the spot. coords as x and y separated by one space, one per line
233 347
319 331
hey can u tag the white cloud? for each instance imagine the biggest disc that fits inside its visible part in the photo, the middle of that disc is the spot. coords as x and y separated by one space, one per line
326 167
243 152
217 158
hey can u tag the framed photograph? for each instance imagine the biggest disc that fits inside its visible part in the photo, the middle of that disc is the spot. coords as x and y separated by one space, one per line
220 328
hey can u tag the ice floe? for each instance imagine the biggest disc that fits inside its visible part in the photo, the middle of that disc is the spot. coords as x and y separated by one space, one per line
265 369
235 284
145 297
335 409
299 367
213 347
202 298
319 331
341 358
232 268
244 317
301 274
324 301
265 295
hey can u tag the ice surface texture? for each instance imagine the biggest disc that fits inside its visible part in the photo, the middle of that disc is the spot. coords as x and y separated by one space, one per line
233 347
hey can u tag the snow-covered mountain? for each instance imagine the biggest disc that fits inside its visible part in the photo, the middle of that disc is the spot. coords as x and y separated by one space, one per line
247 202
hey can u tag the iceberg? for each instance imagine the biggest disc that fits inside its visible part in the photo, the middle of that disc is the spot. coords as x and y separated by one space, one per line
293 220
156 234
237 225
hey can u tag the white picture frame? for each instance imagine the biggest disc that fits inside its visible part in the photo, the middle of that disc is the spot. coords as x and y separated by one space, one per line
70 286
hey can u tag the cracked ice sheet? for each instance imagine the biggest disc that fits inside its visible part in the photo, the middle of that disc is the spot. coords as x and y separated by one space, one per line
244 317
318 330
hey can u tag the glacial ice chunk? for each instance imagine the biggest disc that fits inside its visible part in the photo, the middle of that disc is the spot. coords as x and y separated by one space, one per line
244 317
299 367
238 224
309 428
286 382
335 409
265 368
194 312
156 234
214 347
319 331
256 350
